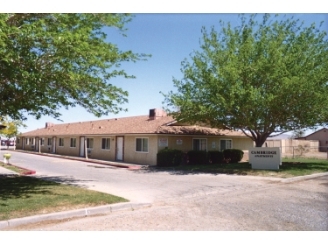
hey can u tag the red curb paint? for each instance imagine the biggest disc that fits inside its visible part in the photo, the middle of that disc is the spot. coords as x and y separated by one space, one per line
30 172
26 172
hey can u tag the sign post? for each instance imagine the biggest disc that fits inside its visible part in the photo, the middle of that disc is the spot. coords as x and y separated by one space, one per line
265 158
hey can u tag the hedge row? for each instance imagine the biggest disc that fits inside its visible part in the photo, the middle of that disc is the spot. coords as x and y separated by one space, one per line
172 157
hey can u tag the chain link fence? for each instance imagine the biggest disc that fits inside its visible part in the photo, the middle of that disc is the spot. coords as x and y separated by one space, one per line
294 148
305 151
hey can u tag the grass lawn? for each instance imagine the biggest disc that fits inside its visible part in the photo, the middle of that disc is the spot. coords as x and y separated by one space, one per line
22 196
289 168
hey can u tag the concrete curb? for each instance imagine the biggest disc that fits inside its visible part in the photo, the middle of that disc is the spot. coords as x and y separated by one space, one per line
105 209
306 177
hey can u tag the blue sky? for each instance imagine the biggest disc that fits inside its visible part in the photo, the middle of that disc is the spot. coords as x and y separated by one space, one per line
169 38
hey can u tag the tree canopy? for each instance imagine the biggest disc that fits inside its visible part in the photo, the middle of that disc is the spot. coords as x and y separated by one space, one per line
49 61
262 77
11 129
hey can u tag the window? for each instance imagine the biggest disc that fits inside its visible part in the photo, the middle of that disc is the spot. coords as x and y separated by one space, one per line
27 141
199 144
61 142
142 144
73 143
105 143
89 143
18 141
49 141
42 141
32 141
225 144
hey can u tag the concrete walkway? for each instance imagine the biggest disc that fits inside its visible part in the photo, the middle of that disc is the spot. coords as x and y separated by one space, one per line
6 172
110 163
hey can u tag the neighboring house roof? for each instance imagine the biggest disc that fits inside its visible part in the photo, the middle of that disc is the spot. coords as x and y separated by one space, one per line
281 136
127 125
323 129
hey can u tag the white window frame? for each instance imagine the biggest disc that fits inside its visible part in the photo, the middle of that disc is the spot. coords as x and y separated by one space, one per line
142 145
90 142
107 146
61 142
70 143
27 141
42 141
201 139
225 144
49 141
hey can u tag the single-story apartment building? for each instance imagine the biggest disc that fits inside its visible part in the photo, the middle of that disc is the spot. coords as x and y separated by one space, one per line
130 139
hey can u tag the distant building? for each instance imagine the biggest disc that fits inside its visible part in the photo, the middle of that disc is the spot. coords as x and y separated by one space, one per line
320 135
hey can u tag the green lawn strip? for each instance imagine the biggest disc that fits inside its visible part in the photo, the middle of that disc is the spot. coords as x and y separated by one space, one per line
289 168
12 168
23 196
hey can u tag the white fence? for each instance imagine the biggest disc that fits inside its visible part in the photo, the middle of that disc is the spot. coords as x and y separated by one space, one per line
293 148
289 146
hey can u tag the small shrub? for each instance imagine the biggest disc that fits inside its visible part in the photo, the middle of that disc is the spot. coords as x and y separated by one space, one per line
300 150
233 155
197 157
169 157
215 157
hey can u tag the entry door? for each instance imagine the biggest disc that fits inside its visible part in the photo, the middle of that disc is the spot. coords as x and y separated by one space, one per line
119 148
37 144
82 146
54 145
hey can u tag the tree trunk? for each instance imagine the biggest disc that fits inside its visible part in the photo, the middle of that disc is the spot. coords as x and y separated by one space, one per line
260 139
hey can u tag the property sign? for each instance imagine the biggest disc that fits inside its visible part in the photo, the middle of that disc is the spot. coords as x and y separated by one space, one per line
265 158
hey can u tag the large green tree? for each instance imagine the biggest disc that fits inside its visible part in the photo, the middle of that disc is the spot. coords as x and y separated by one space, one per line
264 77
49 61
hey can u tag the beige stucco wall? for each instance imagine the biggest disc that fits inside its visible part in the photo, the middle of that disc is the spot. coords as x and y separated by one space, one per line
130 155
66 149
184 143
102 154
242 143
19 143
23 145
147 158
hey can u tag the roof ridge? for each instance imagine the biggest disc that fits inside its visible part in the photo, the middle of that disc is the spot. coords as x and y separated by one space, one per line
91 121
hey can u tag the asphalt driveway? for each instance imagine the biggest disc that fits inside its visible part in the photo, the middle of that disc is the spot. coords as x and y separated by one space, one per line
183 201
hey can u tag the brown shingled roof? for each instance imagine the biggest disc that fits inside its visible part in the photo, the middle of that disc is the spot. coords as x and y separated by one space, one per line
126 125
197 130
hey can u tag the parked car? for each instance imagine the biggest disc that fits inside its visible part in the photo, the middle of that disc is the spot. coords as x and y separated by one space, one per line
7 142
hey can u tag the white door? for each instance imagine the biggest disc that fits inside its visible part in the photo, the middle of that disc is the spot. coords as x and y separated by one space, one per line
82 146
37 144
119 148
54 145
